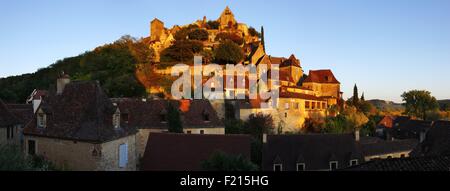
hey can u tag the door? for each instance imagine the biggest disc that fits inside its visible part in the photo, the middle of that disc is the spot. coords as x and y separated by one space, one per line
31 147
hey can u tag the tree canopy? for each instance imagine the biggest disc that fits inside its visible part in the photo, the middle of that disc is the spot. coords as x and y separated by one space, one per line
228 52
174 119
419 102
113 65
181 50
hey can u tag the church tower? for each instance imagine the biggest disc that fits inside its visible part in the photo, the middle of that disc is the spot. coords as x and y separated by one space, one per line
227 20
156 29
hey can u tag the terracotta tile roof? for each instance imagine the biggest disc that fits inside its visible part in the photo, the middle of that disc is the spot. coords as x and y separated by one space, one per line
317 150
186 152
24 112
437 141
387 122
387 147
321 76
82 112
438 163
277 60
285 94
405 128
147 114
7 118
291 61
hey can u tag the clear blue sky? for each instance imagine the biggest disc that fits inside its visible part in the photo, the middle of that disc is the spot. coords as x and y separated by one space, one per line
385 46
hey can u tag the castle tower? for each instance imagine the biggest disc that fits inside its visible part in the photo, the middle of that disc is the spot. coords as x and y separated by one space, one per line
156 29
227 19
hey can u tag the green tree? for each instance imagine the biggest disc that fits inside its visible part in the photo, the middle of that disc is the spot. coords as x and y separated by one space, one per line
419 102
259 124
12 158
224 36
355 96
220 161
174 119
228 52
198 34
212 25
181 50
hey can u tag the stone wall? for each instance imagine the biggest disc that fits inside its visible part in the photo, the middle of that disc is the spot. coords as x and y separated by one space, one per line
65 154
110 155
3 140
78 156
387 155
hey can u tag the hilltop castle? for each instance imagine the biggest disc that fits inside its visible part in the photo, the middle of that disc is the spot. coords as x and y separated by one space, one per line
301 97
162 38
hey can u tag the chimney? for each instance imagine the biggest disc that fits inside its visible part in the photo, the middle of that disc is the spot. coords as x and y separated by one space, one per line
264 138
61 82
356 133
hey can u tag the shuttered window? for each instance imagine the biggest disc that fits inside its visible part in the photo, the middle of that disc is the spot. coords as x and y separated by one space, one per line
123 155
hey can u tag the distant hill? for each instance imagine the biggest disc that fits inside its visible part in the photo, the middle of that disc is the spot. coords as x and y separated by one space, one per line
387 106
444 105
113 65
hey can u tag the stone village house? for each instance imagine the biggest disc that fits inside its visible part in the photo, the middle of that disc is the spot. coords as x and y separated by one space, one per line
150 116
10 126
78 128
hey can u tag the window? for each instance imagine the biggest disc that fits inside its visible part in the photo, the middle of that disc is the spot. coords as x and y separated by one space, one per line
123 155
333 165
163 118
354 162
307 105
116 120
41 120
202 132
313 105
301 166
31 147
402 156
9 133
125 117
188 132
296 105
277 167
324 105
286 106
285 115
205 116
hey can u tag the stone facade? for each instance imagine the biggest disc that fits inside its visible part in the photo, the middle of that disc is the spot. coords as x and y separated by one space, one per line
402 154
80 156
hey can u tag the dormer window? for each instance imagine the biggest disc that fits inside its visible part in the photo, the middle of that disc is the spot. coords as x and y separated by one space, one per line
205 116
333 165
41 120
163 116
301 166
277 167
116 119
327 78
